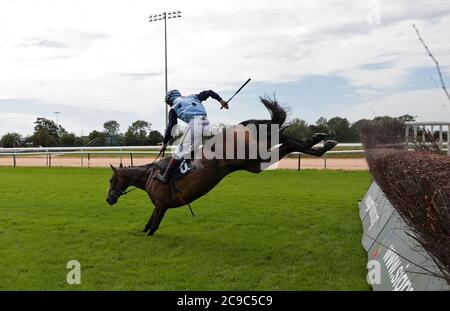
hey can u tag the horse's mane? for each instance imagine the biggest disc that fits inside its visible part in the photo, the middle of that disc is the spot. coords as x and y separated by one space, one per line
148 165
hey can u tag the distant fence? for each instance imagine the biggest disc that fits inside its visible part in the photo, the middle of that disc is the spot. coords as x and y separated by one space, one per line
85 153
415 129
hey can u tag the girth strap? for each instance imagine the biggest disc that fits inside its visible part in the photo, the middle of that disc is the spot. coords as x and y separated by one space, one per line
180 198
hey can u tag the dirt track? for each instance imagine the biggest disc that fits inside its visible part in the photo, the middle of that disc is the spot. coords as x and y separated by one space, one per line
287 163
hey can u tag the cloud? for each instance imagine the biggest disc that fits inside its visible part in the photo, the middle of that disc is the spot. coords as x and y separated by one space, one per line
16 122
141 75
106 55
51 44
427 105
69 117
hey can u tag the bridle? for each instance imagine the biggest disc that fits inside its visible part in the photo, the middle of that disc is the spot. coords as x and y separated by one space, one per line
117 194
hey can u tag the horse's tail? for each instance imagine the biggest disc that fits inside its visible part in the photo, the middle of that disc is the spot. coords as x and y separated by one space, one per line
277 112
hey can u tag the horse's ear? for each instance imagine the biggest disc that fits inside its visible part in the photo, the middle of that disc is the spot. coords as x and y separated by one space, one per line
113 168
121 165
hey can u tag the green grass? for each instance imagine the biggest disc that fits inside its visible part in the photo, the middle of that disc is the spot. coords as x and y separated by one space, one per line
279 230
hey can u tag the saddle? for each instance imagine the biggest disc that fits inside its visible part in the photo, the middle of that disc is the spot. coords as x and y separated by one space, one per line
184 168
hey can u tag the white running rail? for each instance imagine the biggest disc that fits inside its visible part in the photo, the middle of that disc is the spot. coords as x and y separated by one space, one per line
48 152
414 130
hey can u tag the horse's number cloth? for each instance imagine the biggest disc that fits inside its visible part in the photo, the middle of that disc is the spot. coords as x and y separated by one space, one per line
183 169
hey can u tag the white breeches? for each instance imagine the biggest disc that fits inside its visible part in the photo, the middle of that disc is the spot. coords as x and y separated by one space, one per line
192 138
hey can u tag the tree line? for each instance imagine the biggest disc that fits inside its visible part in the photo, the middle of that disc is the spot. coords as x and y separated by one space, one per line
48 134
340 128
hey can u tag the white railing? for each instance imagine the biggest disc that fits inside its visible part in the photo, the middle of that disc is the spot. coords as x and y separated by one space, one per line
48 152
130 150
431 126
106 149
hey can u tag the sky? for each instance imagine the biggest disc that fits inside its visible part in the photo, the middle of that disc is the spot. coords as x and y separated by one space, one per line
98 60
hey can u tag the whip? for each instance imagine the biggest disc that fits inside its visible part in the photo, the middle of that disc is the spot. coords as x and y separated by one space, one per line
238 91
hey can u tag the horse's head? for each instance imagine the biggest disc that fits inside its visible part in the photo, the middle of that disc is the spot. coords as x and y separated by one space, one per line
117 186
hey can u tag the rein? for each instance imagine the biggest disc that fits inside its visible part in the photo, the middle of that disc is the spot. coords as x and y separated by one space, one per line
117 195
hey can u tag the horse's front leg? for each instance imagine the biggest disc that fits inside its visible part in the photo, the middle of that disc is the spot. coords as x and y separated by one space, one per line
148 225
155 220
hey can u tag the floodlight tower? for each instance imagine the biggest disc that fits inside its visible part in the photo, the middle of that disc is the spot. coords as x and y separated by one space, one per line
164 16
57 118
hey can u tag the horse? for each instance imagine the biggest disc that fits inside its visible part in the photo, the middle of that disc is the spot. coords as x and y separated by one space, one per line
207 172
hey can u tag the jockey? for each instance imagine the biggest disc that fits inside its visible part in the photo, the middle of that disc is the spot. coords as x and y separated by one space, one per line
190 110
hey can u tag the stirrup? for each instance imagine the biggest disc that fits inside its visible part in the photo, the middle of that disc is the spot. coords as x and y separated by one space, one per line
164 178
160 177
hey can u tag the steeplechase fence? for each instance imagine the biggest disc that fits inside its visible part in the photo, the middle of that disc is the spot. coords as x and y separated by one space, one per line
402 263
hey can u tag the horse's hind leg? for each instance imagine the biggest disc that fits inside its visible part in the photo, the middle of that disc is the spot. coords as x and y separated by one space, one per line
316 138
319 151
291 144
303 144
155 220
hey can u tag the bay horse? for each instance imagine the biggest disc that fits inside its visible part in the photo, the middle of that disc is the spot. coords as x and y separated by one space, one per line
207 172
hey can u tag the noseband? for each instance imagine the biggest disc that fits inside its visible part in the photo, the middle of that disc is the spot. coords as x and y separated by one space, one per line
116 195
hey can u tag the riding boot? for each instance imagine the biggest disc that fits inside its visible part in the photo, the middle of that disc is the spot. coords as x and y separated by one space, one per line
164 178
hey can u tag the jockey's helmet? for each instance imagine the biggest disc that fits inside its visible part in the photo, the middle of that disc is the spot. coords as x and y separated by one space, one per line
171 95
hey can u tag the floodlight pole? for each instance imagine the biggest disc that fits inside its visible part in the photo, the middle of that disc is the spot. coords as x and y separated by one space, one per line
165 62
153 18
57 118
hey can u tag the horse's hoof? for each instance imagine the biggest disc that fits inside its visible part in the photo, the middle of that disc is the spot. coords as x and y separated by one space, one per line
330 144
